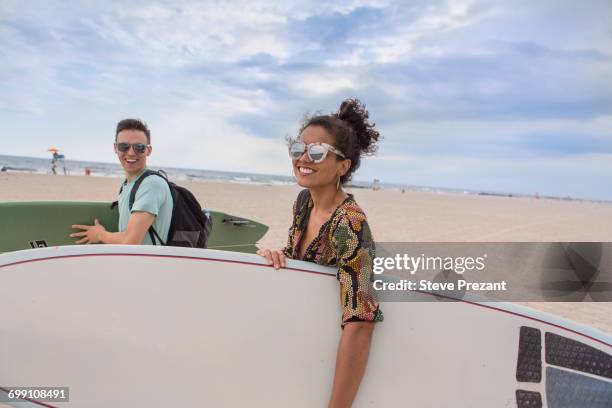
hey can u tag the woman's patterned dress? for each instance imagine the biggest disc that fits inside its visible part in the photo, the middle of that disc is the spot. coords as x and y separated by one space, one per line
344 241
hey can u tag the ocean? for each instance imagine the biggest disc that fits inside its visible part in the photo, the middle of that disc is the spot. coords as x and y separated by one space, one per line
77 168
40 165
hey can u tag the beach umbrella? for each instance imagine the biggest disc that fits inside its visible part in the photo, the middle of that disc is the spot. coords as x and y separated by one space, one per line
53 149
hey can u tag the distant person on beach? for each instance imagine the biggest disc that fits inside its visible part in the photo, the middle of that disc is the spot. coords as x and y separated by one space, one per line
329 228
153 202
54 163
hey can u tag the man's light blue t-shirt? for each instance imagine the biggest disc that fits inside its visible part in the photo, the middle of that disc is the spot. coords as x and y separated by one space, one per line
153 196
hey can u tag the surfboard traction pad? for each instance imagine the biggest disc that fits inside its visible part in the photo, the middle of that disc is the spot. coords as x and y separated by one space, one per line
528 399
568 353
564 389
529 364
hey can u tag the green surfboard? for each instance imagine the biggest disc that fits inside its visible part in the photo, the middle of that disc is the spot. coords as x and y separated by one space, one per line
25 225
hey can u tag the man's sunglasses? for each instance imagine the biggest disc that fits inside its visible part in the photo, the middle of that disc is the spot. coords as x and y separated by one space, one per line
139 148
316 152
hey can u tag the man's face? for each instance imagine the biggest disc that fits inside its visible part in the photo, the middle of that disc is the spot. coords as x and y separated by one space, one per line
132 161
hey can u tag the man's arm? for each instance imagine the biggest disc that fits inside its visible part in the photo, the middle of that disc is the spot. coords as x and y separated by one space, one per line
351 360
137 227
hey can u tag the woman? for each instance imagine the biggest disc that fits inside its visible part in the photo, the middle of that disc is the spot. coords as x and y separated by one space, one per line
329 228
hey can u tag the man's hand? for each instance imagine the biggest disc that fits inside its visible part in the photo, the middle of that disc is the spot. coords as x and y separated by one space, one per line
137 227
92 234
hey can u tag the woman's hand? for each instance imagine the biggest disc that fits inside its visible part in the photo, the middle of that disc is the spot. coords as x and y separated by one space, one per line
274 257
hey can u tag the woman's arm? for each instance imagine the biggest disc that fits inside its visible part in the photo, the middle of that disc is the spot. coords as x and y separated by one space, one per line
354 253
351 362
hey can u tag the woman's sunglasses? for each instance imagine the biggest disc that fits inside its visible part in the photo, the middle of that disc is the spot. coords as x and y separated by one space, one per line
139 148
316 152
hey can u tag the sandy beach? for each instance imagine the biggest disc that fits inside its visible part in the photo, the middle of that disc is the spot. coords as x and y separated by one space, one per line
393 216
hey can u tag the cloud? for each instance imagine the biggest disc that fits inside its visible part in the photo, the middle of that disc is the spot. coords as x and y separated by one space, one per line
500 140
586 173
468 88
195 139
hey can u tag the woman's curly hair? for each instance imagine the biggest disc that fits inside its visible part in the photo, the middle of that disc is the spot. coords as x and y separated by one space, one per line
354 135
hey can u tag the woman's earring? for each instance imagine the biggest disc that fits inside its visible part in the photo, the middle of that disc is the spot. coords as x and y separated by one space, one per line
338 184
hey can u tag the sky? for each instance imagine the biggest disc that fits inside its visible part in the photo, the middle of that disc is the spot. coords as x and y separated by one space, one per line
508 96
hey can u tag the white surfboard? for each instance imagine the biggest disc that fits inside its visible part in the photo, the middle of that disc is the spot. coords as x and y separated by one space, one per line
141 326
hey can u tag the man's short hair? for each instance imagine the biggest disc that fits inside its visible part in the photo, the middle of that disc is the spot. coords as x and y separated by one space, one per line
133 124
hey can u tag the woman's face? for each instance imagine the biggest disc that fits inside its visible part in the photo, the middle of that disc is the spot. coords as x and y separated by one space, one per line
312 175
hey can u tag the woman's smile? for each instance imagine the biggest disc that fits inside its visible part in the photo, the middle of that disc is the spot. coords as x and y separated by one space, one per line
305 171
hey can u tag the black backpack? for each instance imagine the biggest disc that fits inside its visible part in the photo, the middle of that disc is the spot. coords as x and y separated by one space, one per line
189 227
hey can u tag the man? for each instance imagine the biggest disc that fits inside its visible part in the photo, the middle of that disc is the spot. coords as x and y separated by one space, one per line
153 201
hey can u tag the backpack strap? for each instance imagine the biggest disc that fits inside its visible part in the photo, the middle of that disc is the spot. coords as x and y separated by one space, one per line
137 184
152 233
116 202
